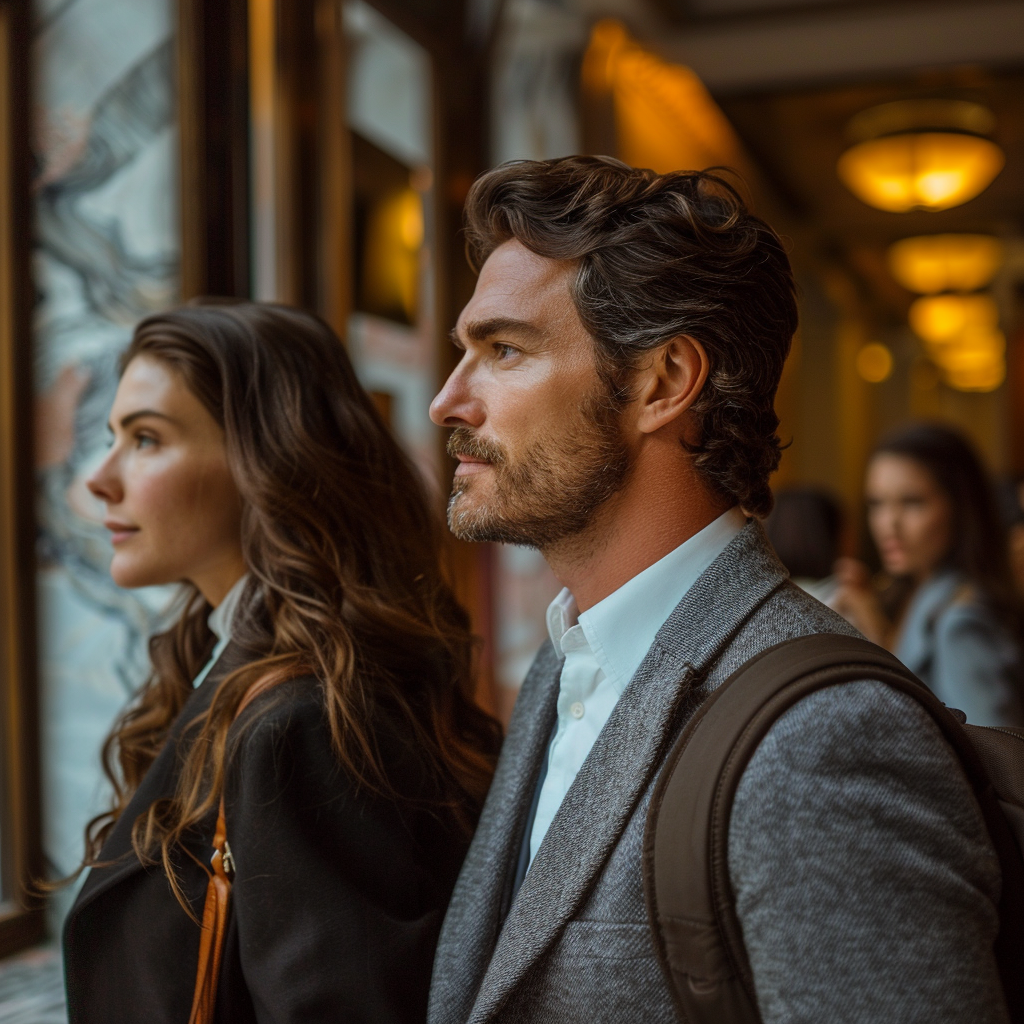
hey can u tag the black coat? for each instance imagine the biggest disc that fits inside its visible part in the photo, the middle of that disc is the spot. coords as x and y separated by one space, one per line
337 900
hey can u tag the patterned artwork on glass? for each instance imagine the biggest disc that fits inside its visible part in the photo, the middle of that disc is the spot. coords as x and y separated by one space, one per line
106 255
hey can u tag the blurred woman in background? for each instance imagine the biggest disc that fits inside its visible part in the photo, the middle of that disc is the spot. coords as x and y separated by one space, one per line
949 612
247 463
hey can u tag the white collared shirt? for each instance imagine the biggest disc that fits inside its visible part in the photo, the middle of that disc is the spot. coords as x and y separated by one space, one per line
604 646
220 621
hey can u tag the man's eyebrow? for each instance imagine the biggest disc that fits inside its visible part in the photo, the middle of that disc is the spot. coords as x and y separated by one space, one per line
126 421
481 330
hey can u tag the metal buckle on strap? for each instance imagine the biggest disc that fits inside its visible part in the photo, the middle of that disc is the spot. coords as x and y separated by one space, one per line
226 860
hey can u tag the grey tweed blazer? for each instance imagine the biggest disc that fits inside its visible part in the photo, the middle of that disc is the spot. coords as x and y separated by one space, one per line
864 879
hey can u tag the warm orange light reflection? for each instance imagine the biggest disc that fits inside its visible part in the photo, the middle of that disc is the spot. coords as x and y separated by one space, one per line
962 336
977 362
920 170
664 117
394 237
929 264
938 319
874 362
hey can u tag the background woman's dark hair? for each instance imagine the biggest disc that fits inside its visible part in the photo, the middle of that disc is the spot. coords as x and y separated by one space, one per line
660 255
805 529
343 552
979 537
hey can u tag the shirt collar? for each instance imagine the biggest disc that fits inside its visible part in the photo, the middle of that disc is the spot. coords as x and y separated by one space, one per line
222 617
621 628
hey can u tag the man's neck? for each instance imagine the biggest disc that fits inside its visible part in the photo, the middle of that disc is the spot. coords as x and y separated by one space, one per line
652 515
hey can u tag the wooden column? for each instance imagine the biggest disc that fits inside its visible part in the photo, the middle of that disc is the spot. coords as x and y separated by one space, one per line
21 917
213 122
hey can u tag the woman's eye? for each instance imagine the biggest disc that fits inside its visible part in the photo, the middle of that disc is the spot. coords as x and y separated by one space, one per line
144 441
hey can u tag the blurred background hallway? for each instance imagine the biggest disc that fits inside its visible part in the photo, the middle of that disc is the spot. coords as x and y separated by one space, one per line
318 152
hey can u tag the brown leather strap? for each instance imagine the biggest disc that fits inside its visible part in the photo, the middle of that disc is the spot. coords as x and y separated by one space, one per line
215 922
218 895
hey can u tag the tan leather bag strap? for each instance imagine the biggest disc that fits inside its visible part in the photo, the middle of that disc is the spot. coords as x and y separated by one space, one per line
218 895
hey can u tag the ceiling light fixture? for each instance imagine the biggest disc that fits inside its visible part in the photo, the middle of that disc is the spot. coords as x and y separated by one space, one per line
962 337
930 264
920 154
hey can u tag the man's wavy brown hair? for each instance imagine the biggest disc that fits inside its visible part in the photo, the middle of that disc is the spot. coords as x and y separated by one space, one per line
343 552
657 256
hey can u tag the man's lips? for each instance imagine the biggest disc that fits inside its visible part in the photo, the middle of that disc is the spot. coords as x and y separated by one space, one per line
470 465
119 532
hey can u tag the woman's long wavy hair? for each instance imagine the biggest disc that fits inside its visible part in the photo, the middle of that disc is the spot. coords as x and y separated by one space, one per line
343 553
978 549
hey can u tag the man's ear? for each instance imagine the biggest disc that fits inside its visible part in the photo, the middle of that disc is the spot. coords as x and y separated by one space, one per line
671 383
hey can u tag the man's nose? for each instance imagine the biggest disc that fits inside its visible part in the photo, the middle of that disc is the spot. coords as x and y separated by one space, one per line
455 404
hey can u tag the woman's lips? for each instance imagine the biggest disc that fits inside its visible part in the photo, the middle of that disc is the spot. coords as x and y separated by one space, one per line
892 553
120 532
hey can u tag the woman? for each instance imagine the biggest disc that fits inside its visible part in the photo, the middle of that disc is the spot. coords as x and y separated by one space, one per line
949 613
247 462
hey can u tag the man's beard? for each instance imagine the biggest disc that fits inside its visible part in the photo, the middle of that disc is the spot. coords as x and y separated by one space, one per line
549 493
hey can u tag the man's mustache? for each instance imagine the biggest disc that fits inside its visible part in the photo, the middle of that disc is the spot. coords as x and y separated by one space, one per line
464 442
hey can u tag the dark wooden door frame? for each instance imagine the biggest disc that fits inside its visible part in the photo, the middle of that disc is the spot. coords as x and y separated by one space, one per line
21 863
213 129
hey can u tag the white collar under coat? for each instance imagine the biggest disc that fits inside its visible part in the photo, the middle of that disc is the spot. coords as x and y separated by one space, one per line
621 628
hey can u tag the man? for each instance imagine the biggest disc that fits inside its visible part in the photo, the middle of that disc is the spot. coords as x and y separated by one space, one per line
613 407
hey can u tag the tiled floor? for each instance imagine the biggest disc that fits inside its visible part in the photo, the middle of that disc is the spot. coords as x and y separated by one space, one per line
32 988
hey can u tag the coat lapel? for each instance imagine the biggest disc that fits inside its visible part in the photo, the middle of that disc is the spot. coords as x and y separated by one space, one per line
623 761
117 855
474 915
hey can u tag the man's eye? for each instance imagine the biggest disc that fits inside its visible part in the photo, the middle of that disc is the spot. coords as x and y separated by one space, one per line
503 351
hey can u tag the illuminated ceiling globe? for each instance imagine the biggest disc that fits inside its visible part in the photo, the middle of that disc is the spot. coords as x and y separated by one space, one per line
939 319
929 264
920 155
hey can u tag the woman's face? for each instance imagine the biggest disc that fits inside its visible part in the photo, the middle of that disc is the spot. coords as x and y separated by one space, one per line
909 516
173 509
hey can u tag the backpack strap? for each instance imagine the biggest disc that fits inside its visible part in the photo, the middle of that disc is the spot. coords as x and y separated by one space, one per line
690 903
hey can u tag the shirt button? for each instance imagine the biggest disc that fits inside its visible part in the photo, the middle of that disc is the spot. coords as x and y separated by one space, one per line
576 709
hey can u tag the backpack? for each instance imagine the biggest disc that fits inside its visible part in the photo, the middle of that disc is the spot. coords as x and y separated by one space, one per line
690 906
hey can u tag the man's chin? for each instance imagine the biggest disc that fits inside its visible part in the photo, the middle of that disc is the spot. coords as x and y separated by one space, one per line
466 518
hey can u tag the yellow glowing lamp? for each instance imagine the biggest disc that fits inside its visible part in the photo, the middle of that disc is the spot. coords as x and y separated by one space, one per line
974 362
939 319
874 362
945 263
984 377
920 155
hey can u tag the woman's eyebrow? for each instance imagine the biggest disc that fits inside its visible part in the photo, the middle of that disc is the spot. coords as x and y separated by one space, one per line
139 413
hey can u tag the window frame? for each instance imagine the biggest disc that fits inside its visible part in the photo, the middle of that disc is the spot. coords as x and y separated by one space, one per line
21 914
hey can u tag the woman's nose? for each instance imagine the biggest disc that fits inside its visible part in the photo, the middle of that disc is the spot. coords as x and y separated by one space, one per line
104 481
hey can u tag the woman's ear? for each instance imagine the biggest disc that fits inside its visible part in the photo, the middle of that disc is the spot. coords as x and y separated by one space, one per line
671 383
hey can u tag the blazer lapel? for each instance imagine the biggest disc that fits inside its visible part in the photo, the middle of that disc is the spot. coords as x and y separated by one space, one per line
474 915
159 782
623 761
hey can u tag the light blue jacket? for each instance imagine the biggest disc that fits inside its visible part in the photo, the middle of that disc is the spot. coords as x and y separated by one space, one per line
966 656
